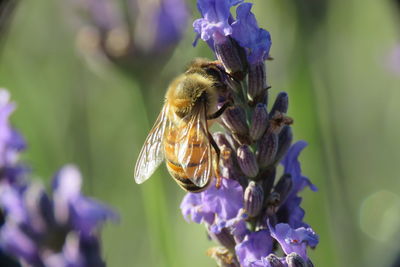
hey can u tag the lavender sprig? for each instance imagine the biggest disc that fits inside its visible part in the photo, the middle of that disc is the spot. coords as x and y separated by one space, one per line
133 34
41 229
254 212
53 230
11 144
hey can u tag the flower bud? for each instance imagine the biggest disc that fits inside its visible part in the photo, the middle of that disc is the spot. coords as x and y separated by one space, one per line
295 260
281 104
257 80
267 149
224 139
268 178
228 53
285 140
225 238
253 199
235 119
247 161
283 187
274 261
259 122
273 199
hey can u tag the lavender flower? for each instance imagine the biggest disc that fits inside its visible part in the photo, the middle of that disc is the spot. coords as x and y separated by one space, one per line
129 39
53 230
11 143
290 211
215 19
214 206
246 32
254 212
294 240
256 245
215 28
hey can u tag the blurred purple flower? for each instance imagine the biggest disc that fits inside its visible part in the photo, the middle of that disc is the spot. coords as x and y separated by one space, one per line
171 19
129 39
11 142
294 240
246 32
57 230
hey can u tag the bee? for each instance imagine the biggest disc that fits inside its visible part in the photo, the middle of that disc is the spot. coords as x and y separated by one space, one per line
181 134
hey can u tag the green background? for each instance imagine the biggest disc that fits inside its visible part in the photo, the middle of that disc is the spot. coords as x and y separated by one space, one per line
342 96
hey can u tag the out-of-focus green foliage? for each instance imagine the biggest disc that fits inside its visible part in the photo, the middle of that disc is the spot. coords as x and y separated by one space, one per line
342 97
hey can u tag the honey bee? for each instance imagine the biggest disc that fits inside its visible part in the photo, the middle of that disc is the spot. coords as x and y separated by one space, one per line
181 134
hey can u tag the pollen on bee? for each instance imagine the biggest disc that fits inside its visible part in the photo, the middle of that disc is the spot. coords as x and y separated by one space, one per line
225 152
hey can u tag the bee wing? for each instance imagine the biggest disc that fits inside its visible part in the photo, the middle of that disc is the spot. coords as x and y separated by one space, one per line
193 150
152 153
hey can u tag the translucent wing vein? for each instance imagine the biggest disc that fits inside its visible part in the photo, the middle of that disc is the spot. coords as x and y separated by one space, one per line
152 153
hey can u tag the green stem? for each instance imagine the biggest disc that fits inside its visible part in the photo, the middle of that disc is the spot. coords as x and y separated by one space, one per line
155 204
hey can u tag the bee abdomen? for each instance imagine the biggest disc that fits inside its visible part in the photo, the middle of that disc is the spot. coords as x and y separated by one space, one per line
180 176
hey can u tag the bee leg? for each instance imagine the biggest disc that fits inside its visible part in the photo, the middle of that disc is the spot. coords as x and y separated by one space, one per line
219 111
216 161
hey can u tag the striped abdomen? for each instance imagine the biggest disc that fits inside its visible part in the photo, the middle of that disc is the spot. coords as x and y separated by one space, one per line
194 152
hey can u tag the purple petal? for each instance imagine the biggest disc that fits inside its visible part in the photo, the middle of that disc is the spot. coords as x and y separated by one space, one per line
264 262
290 211
294 240
18 244
11 202
192 209
226 201
246 32
11 142
232 224
216 14
291 165
171 19
214 204
87 214
67 182
255 246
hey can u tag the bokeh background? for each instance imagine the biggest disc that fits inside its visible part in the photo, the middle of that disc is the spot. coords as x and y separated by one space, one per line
336 60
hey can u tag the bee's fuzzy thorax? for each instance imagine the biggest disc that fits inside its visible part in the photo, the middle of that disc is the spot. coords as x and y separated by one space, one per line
187 89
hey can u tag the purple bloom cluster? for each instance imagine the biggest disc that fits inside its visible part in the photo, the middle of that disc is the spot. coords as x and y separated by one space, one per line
255 211
148 28
40 229
236 42
11 144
